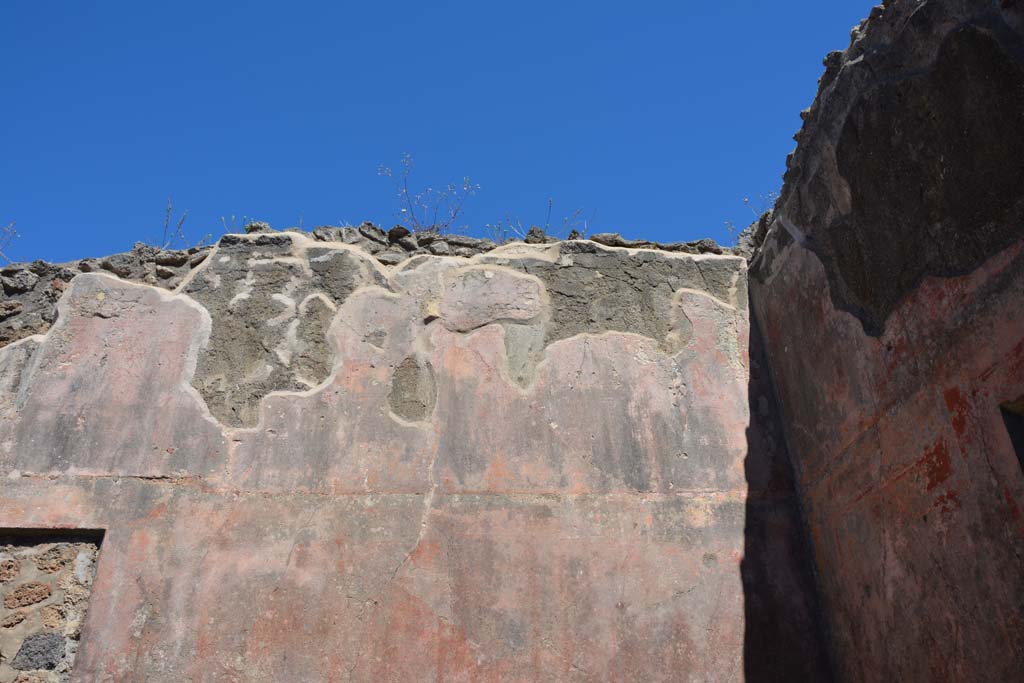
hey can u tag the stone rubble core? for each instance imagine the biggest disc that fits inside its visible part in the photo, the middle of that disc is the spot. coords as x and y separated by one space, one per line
359 455
45 585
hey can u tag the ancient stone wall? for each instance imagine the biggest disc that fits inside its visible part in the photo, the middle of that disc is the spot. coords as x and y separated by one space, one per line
556 461
354 455
889 288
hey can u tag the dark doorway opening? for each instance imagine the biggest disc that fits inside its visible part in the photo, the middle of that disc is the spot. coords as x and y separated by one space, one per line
1013 418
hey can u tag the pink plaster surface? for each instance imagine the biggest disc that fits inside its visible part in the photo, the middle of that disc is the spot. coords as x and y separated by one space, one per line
589 526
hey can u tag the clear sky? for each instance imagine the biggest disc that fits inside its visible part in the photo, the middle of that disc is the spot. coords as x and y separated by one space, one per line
655 118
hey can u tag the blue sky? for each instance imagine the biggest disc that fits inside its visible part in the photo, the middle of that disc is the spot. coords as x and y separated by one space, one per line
655 118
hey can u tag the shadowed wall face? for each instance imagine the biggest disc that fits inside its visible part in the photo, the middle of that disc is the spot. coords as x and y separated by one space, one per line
535 464
889 291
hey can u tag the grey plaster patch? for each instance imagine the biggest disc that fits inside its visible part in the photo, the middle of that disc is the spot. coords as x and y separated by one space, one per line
413 390
594 290
271 299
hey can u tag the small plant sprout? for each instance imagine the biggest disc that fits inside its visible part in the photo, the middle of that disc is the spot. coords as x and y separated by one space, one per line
235 227
764 204
574 226
7 235
177 233
506 230
430 209
730 227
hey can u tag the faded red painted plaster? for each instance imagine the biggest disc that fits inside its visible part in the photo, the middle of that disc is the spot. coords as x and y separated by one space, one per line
588 524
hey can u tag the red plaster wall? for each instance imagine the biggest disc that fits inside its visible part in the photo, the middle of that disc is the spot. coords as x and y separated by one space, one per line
911 487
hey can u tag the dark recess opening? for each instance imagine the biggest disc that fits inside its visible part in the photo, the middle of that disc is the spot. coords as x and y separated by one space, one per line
1013 418
32 536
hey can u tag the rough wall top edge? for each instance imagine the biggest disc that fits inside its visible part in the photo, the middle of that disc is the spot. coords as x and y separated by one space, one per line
30 290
